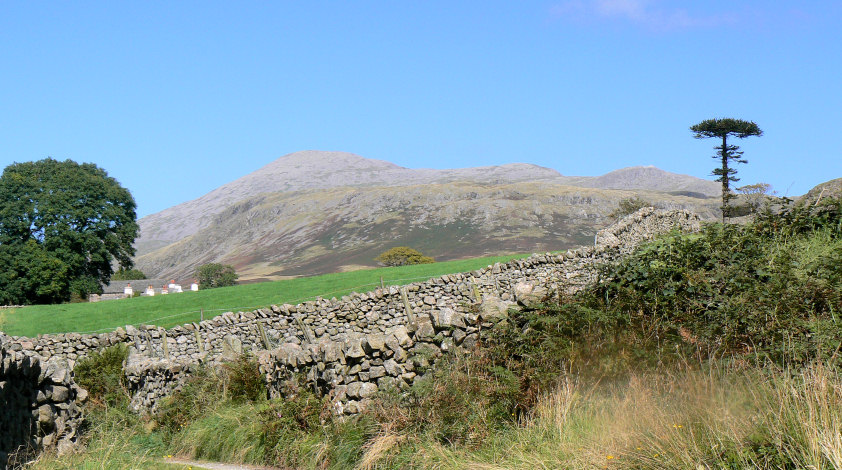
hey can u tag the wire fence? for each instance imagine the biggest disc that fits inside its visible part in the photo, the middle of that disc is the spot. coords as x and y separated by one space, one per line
201 314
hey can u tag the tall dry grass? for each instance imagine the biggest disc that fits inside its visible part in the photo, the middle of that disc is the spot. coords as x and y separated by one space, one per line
718 417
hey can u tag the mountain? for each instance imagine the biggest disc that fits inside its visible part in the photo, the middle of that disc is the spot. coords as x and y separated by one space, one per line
310 170
314 212
652 179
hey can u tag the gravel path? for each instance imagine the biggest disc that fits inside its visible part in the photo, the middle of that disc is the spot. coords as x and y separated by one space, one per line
215 465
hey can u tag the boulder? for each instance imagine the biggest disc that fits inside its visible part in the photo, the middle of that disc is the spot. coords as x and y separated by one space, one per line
530 295
494 309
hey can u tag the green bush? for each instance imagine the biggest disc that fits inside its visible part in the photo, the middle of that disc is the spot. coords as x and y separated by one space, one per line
243 379
628 206
402 256
462 401
101 374
213 275
237 381
124 274
757 289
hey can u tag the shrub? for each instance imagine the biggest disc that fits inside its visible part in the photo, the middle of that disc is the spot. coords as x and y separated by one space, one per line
124 274
214 275
243 379
101 374
402 256
460 402
733 289
237 381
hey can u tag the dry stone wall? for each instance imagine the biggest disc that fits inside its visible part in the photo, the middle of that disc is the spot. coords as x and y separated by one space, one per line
337 341
352 347
151 379
39 404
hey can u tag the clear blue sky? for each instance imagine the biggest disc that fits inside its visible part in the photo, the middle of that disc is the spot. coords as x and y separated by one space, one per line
177 98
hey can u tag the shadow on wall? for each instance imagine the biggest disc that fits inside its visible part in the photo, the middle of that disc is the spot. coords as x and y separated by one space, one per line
39 405
18 425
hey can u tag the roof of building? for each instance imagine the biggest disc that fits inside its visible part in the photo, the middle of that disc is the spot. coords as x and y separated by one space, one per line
139 285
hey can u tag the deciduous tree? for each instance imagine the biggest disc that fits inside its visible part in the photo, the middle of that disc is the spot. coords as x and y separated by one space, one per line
123 274
755 195
71 219
724 128
629 205
213 275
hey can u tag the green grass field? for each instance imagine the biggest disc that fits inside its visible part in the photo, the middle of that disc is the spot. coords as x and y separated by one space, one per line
176 309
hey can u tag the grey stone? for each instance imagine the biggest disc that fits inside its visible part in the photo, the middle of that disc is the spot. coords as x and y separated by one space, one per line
59 393
354 349
376 372
458 336
530 294
425 329
402 336
442 318
367 390
392 367
374 342
46 417
494 309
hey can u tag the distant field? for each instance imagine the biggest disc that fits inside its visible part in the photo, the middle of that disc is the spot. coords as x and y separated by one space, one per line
176 309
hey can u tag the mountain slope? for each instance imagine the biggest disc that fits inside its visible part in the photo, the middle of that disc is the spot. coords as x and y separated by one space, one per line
314 212
316 231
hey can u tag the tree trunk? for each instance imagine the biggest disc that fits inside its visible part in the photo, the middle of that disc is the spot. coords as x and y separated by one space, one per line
725 188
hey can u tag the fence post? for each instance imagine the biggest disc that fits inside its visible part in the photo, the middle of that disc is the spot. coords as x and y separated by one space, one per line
199 342
410 315
308 335
263 336
165 346
477 294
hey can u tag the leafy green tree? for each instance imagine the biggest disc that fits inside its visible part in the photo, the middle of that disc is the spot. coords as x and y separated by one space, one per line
402 256
213 275
124 274
31 274
724 128
67 219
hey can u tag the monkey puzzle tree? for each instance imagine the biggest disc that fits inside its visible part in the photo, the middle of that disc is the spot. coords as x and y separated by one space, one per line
724 128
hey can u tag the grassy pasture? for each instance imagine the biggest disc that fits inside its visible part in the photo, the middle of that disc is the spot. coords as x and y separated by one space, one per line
176 309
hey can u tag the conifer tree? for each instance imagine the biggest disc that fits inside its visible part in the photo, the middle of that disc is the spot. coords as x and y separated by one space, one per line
724 128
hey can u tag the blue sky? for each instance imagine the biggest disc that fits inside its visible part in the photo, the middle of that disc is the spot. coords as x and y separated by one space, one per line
177 98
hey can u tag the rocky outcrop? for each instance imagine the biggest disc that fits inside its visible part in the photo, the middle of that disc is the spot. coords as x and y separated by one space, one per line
39 404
